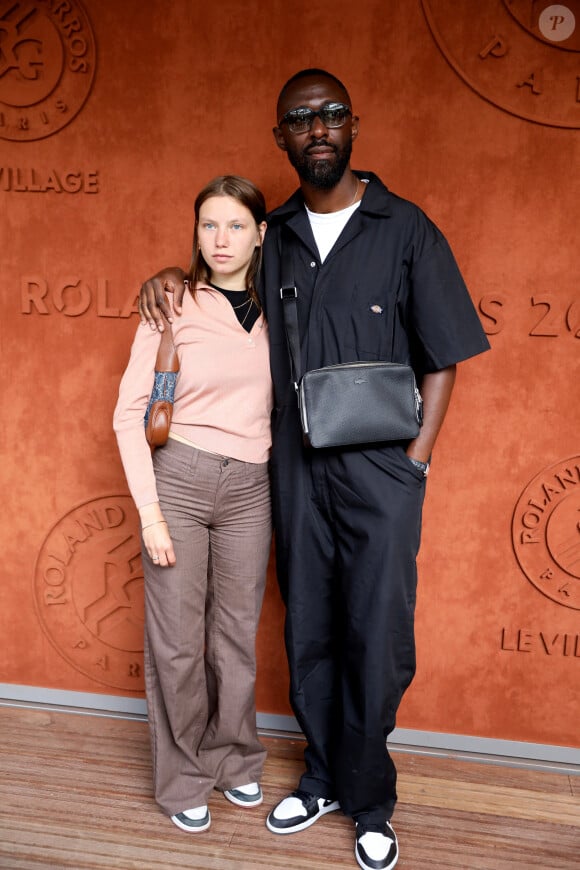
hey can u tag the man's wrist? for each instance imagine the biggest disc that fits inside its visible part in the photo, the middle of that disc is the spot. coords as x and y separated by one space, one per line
422 466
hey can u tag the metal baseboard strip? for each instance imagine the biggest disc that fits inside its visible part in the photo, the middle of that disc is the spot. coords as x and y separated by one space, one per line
488 750
84 703
485 750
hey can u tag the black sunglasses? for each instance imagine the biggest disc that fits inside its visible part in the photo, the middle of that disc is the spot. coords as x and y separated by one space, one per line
300 120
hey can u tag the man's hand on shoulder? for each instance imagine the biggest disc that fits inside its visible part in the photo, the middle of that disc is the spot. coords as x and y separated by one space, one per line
153 306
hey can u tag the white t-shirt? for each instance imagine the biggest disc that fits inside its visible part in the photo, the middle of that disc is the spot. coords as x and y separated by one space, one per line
326 228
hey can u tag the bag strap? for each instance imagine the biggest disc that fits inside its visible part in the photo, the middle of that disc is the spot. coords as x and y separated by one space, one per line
167 359
289 297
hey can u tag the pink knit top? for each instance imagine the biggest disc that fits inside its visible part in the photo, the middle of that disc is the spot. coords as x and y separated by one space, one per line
223 395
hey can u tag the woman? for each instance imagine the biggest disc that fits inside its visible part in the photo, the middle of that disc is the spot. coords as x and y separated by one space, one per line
204 505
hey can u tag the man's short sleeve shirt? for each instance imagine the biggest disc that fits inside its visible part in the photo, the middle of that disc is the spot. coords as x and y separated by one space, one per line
389 289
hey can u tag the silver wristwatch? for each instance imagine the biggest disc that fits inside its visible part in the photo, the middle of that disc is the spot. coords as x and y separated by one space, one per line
422 466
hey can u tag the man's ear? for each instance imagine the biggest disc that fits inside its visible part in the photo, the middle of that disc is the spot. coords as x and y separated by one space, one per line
354 127
279 138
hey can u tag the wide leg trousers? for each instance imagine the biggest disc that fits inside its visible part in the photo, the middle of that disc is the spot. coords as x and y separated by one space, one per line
347 535
201 619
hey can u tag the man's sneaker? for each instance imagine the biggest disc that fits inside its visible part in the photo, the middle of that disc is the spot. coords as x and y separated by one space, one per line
245 795
298 811
198 819
376 846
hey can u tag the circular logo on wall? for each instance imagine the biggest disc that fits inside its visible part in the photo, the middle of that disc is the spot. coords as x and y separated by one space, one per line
47 66
521 55
88 587
546 532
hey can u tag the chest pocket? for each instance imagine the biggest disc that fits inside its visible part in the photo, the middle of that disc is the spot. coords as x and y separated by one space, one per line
369 328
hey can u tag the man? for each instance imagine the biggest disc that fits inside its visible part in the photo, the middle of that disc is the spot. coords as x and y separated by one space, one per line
375 280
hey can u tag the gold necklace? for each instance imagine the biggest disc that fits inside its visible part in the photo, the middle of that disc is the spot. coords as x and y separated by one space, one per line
224 292
241 305
251 301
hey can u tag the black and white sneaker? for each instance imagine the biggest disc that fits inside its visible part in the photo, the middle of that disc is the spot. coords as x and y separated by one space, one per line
298 811
376 846
195 820
249 795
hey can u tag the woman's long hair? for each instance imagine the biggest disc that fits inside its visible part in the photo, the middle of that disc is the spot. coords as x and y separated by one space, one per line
248 195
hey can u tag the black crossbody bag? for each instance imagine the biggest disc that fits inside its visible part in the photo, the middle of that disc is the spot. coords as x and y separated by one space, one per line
349 403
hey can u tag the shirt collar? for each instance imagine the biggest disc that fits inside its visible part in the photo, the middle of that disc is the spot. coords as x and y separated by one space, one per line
376 200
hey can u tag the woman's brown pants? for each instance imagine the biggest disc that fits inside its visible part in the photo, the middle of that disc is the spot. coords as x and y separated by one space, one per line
201 619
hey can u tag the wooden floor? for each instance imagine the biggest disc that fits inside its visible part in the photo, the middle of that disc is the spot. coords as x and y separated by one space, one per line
75 792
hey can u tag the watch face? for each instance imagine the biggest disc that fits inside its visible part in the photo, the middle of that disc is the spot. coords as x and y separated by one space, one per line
520 55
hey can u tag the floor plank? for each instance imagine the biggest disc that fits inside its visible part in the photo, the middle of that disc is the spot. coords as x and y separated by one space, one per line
75 794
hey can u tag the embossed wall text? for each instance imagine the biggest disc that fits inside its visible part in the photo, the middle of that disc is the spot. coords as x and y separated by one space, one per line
544 316
520 55
14 180
88 591
546 532
556 644
72 297
47 66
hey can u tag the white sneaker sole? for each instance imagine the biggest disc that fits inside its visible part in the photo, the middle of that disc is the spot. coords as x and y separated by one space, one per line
194 828
301 826
253 802
364 866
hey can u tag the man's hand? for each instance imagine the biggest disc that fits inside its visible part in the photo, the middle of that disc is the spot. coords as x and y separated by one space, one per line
436 391
152 301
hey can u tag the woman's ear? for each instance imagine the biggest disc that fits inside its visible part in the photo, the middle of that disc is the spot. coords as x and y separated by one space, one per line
261 232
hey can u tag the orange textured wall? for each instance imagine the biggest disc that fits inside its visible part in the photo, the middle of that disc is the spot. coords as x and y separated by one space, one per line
112 115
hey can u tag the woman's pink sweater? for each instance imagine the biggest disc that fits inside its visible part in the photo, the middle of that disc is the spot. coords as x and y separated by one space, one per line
223 395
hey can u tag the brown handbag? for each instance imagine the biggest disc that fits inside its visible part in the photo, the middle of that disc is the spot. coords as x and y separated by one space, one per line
159 411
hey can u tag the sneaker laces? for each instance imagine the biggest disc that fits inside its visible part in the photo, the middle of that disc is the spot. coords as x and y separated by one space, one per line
307 798
383 828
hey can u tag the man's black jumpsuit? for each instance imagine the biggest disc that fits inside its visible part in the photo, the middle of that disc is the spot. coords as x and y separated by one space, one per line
348 521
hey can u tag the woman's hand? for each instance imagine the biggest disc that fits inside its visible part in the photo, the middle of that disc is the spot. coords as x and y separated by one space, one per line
156 536
159 545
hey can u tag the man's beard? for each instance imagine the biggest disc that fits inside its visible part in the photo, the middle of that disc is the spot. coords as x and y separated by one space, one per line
323 174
